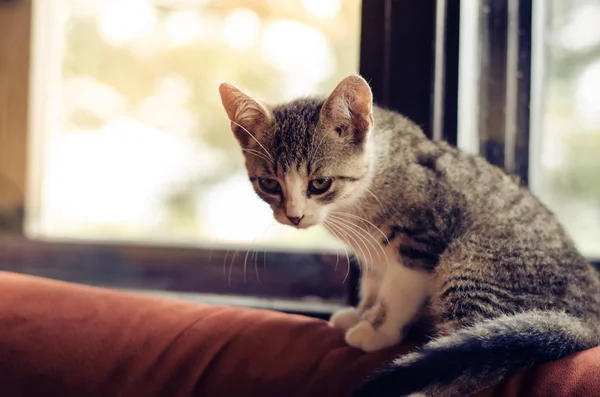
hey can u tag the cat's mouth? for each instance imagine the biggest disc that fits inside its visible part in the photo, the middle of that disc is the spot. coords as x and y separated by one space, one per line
304 225
300 225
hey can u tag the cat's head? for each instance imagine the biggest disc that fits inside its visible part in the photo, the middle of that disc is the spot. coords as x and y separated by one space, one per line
307 157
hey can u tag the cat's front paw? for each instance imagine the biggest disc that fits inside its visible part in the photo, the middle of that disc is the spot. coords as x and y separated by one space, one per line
363 336
345 318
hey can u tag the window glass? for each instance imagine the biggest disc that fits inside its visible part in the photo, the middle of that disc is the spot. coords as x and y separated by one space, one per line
566 152
564 155
133 141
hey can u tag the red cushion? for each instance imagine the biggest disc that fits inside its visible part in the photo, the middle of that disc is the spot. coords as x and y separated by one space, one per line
61 339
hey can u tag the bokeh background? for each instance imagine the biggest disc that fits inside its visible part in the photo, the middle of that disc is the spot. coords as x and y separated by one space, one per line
139 148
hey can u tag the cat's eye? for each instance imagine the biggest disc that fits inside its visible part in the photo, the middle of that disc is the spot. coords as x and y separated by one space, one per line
319 186
270 186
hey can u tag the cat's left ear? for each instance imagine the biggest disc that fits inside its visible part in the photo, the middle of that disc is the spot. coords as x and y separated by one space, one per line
349 108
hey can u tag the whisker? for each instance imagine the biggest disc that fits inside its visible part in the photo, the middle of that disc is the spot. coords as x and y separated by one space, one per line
314 164
255 254
253 137
359 212
366 232
248 252
364 220
339 216
329 227
246 258
265 255
258 154
318 146
265 259
325 224
225 264
349 226
359 209
231 266
376 198
342 230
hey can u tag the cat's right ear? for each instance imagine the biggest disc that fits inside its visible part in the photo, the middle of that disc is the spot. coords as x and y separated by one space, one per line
349 109
248 116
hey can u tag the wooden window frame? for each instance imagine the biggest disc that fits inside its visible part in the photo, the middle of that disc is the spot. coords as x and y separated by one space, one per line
15 22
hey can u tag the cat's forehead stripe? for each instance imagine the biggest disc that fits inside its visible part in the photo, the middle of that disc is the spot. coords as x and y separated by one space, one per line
293 139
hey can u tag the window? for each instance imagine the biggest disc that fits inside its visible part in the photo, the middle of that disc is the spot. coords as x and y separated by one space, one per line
134 180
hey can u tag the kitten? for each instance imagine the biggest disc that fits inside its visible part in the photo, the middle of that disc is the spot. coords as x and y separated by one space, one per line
439 233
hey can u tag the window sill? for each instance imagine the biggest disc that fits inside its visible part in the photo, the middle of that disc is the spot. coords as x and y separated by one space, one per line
310 307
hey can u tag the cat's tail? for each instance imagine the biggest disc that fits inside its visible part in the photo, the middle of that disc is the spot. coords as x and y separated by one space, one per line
474 358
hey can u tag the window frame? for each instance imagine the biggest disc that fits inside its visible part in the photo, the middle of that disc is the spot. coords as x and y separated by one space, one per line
15 21
505 84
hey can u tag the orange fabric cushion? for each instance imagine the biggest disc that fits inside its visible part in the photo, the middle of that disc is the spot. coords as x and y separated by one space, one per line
61 339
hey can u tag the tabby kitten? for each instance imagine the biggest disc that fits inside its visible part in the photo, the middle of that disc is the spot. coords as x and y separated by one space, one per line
439 234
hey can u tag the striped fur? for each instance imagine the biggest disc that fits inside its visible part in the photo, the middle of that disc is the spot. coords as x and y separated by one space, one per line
442 237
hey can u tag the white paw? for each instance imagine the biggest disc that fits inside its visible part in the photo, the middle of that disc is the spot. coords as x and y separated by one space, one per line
363 336
345 318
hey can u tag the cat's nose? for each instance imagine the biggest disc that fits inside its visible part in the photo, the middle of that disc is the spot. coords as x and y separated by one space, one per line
295 219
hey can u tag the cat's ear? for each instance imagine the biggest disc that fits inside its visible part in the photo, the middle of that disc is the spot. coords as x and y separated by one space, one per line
349 108
248 116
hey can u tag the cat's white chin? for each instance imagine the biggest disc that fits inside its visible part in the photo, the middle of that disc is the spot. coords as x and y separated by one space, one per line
305 226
